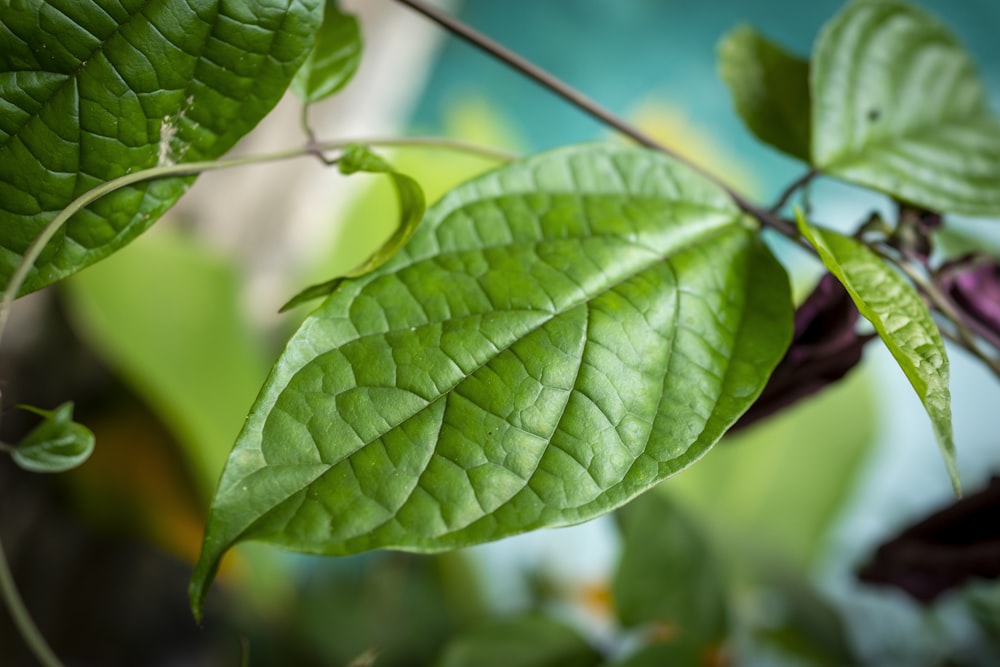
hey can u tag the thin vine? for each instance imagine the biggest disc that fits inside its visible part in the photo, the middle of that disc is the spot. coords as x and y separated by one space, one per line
769 217
8 588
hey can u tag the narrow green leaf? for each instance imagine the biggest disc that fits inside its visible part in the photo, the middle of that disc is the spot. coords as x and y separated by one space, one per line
57 444
90 91
334 58
527 641
902 321
898 106
411 211
668 575
770 88
559 335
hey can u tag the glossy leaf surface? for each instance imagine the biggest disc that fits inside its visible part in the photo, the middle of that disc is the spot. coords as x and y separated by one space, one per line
558 336
410 197
902 321
333 59
898 106
770 89
90 91
55 445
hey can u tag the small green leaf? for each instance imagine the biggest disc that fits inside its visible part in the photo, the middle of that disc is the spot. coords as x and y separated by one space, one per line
902 321
668 575
91 91
770 89
558 336
898 106
527 641
57 444
334 58
411 211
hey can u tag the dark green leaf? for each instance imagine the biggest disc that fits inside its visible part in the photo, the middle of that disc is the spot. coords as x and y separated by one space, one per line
898 106
901 319
407 607
798 622
770 89
558 336
411 212
528 641
90 91
56 445
334 58
668 575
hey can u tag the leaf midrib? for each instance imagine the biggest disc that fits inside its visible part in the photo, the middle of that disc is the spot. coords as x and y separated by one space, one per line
887 144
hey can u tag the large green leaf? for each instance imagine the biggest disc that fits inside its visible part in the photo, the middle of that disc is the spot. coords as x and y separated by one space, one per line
902 321
559 335
898 106
90 91
333 59
770 89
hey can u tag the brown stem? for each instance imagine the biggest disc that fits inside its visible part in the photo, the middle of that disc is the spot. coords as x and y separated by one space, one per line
940 302
792 188
589 106
534 72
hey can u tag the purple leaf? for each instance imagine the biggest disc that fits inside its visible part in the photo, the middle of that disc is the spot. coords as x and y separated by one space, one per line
951 546
825 346
973 283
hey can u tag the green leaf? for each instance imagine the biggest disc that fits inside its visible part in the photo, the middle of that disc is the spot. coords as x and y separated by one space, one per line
164 313
770 88
800 624
669 653
668 575
559 335
90 91
898 106
334 58
57 444
411 211
902 321
527 641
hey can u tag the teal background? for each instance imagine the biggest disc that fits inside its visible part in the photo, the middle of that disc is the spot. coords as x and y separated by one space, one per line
621 53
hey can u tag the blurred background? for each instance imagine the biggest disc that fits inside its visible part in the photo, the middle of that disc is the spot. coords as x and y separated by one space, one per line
164 346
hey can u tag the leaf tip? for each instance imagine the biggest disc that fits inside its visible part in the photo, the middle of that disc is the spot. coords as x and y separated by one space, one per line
956 481
201 580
